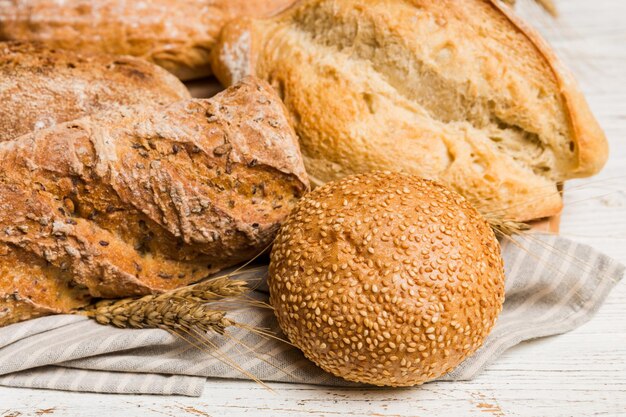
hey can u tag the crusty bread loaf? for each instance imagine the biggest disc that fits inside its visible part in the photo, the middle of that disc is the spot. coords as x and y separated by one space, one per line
177 35
459 91
143 199
40 87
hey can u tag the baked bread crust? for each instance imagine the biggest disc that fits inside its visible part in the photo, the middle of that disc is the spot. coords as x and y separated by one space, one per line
592 149
386 278
144 199
177 35
40 86
461 92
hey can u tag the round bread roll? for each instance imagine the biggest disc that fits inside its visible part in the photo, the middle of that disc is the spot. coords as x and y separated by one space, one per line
386 278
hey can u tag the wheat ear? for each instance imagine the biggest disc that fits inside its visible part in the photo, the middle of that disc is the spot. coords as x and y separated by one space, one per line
151 312
179 309
504 226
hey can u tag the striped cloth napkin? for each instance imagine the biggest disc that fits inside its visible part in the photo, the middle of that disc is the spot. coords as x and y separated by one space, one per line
553 285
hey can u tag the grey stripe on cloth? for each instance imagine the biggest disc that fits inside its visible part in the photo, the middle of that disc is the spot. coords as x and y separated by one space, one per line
553 285
69 379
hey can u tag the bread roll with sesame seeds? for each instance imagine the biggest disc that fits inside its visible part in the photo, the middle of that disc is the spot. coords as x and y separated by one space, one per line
386 278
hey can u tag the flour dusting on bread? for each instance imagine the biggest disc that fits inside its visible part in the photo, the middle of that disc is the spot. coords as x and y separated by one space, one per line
236 57
141 199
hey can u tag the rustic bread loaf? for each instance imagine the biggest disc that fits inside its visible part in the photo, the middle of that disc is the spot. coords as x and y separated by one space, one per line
143 199
459 91
40 87
177 35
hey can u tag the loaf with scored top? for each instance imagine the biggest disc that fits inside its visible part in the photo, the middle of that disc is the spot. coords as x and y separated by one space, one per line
143 199
458 91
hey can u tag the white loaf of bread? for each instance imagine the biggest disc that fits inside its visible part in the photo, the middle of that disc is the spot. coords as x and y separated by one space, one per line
458 91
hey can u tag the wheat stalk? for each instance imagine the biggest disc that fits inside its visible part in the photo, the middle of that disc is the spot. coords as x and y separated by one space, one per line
210 290
184 312
152 312
504 226
549 6
182 309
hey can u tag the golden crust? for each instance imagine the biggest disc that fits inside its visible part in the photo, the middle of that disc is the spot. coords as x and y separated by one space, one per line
40 86
144 199
177 35
386 278
592 148
495 117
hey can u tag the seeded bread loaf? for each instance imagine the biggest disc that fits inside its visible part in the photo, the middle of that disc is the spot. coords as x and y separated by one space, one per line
177 35
143 199
40 87
459 91
386 279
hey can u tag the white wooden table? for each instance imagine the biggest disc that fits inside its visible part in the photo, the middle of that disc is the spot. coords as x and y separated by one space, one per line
582 373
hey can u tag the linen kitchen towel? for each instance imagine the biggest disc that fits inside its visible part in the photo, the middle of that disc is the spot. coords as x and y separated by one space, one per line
553 285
